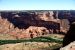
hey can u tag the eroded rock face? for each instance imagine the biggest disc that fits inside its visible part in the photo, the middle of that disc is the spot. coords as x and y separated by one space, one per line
37 31
70 46
8 28
23 24
5 25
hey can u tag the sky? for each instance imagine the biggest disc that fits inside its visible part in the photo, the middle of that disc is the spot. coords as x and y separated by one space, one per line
37 4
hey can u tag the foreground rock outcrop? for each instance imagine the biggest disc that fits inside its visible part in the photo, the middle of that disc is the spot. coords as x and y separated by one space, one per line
70 46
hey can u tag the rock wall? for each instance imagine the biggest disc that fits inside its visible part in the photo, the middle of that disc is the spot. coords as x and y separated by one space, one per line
8 28
17 24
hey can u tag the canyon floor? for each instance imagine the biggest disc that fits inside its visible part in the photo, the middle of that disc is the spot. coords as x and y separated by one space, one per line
33 45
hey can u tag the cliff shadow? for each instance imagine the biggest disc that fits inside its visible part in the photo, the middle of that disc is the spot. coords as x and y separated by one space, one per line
13 18
70 36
